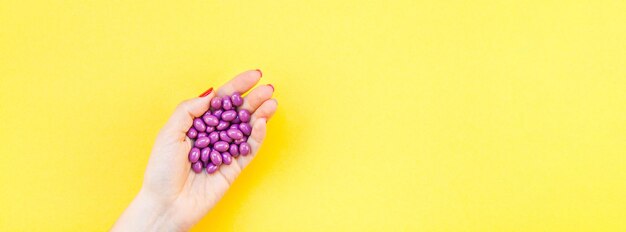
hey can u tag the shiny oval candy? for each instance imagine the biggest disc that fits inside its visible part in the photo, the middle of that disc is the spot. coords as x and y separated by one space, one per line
202 142
244 149
198 124
234 133
229 115
216 103
221 146
196 167
226 158
236 99
210 120
194 155
244 115
211 168
216 158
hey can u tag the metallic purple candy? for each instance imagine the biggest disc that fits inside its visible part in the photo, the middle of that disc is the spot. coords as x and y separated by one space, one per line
222 125
234 151
192 133
202 142
204 154
224 137
227 104
244 115
244 149
221 146
196 167
240 141
214 137
199 125
229 115
220 134
216 103
218 113
194 155
226 158
234 133
210 120
236 99
211 168
245 128
216 158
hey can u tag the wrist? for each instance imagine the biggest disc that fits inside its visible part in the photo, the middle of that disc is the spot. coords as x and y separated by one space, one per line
146 213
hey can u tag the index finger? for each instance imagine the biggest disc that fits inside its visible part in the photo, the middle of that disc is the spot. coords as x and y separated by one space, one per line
240 83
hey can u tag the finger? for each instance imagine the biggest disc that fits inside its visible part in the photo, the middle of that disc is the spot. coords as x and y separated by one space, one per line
266 110
256 97
240 83
261 115
182 118
259 130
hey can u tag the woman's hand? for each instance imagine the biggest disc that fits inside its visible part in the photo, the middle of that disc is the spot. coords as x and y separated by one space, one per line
173 197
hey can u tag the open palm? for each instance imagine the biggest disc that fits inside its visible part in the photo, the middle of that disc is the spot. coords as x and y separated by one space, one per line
169 180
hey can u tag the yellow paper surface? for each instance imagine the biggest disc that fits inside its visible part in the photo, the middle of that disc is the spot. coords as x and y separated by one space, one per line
393 115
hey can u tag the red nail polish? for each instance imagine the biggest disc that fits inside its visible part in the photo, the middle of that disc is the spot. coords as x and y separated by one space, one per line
270 85
207 92
259 70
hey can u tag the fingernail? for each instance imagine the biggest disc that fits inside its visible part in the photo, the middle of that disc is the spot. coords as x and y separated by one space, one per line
270 85
259 70
207 92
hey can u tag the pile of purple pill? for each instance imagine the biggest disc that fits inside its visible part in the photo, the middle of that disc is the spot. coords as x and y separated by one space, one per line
220 134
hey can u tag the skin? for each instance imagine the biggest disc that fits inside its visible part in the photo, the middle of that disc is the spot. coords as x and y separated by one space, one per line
173 197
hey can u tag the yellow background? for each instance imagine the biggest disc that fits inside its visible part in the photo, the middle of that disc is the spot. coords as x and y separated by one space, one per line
393 115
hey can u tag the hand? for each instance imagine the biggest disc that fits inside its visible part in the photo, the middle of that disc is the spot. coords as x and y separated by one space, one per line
173 197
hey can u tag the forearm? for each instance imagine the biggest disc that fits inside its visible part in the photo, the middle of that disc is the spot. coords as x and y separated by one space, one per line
144 214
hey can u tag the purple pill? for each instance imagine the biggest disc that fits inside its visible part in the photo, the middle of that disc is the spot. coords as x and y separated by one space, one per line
216 103
202 142
209 129
227 104
236 99
233 150
202 134
244 115
194 155
204 154
245 128
224 137
198 124
234 126
196 167
226 158
240 141
192 133
218 113
234 133
244 149
221 146
229 115
222 125
211 168
236 120
216 158
214 137
210 120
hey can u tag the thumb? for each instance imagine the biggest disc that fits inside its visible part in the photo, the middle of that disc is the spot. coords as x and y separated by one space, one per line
182 118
